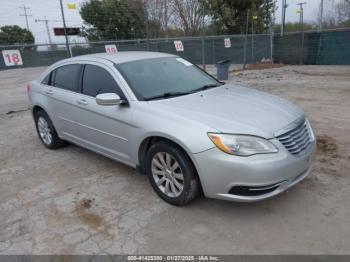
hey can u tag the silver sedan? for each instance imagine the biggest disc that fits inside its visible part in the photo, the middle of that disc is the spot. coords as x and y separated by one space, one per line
190 133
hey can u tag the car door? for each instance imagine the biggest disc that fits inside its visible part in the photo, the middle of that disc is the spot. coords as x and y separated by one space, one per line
63 93
105 129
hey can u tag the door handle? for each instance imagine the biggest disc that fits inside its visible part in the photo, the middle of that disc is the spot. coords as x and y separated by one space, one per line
49 92
82 102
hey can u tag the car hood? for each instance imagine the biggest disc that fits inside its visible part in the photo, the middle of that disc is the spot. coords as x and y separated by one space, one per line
234 109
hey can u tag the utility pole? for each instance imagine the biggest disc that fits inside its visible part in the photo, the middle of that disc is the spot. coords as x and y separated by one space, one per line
272 32
283 18
302 31
321 16
165 12
69 52
246 41
46 21
203 40
252 45
25 14
147 26
254 17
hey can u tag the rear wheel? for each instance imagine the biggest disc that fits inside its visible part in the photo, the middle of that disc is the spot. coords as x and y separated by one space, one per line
46 131
172 174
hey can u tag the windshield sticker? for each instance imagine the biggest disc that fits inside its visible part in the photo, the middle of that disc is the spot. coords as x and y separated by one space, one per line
186 63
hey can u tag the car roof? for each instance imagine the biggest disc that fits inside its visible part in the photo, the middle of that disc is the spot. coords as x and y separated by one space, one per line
124 56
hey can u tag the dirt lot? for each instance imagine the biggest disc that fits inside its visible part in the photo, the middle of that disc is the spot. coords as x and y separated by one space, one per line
72 201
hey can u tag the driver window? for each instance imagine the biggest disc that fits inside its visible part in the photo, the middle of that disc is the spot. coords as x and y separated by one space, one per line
97 80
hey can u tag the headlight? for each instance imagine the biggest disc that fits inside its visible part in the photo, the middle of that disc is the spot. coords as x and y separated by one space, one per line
311 132
242 145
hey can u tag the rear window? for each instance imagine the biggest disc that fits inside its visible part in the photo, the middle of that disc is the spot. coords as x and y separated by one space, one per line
67 77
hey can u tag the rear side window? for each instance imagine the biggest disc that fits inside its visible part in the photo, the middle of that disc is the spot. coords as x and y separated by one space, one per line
97 80
67 77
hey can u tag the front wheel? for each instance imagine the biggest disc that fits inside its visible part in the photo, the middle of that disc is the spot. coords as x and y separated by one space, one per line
172 174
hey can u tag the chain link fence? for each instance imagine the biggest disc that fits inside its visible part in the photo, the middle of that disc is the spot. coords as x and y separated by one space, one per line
332 47
198 50
320 48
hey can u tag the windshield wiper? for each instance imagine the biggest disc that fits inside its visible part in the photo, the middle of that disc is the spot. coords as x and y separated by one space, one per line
205 87
173 94
166 95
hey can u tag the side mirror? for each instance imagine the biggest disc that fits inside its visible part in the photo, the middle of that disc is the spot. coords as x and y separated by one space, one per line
108 99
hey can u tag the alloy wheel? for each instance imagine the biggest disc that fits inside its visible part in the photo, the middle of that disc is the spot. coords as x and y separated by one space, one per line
44 131
167 174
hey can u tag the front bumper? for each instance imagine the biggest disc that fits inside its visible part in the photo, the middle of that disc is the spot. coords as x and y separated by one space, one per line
254 178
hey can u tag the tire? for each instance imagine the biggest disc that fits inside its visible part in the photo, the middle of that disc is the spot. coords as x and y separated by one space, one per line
49 136
191 185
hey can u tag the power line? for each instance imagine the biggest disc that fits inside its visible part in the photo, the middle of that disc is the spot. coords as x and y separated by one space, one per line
25 14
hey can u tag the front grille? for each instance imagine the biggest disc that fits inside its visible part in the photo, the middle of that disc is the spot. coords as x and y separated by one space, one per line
297 139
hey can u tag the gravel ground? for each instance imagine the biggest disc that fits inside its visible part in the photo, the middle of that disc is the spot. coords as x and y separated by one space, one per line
72 201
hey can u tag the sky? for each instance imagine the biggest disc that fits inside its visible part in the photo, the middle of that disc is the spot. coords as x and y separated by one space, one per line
10 12
311 10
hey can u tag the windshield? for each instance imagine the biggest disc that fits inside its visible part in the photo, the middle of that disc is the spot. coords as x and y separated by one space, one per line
164 77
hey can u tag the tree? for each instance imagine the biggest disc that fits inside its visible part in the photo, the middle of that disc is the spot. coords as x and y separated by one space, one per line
343 13
336 14
263 10
157 17
188 15
295 27
110 19
13 34
160 12
229 17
